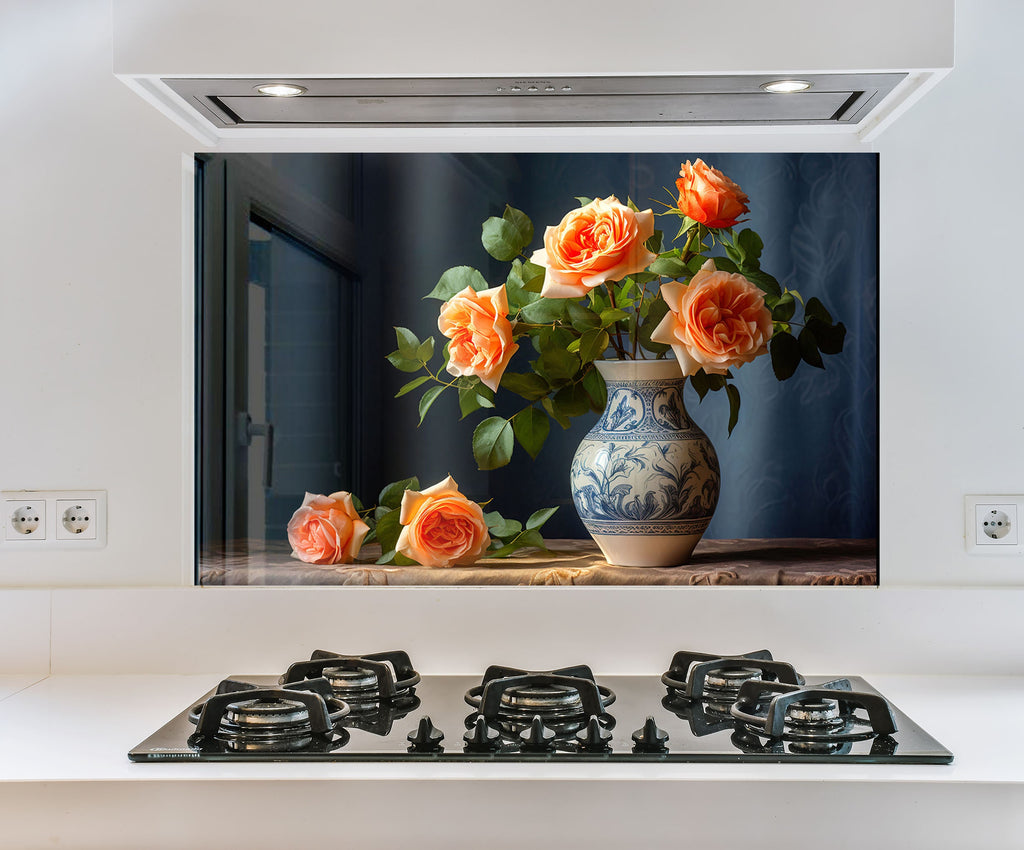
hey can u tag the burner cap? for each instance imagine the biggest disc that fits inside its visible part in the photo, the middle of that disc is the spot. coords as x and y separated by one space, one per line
266 713
346 681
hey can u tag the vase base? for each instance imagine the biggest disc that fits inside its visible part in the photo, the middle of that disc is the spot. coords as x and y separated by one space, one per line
641 550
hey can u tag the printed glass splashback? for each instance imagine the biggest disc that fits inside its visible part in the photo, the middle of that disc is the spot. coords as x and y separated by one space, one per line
306 263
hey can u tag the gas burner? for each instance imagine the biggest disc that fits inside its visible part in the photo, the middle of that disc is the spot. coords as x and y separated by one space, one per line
563 699
814 720
717 679
366 682
243 717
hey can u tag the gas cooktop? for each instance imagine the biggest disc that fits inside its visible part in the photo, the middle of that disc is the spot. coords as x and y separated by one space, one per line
704 708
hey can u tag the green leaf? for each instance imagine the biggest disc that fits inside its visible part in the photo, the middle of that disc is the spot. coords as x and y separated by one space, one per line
809 349
529 385
408 343
391 495
530 538
455 280
572 400
584 201
522 224
815 309
428 398
545 311
533 276
656 242
593 383
734 252
557 365
724 264
658 310
388 529
403 364
785 353
830 338
699 381
409 387
763 281
516 287
554 413
473 397
751 245
425 350
493 442
531 427
716 382
672 267
784 308
503 238
734 405
501 527
612 315
538 518
593 344
582 318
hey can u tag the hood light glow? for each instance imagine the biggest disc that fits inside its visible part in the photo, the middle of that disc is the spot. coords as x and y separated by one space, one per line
786 86
280 89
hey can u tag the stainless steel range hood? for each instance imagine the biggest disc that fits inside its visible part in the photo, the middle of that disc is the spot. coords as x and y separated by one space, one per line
390 71
673 101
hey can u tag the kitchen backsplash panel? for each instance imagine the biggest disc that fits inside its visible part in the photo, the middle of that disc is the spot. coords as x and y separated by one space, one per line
310 323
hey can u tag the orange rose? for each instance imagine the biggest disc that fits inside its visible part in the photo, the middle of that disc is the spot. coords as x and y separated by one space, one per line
599 242
326 530
708 196
481 335
717 322
441 527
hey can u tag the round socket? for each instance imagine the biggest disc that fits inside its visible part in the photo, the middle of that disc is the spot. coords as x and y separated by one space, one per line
25 520
996 524
76 519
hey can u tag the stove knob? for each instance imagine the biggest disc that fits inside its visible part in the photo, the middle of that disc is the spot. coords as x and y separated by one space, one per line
482 738
650 739
595 738
427 737
538 738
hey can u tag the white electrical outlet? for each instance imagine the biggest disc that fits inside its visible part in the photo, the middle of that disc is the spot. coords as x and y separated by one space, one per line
24 520
54 519
991 525
76 519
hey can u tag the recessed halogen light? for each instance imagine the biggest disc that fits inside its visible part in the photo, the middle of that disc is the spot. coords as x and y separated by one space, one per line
786 86
280 89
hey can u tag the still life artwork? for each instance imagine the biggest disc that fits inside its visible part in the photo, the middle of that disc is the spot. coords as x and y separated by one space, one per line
697 364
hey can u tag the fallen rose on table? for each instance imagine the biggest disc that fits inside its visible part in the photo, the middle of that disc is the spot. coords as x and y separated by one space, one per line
434 527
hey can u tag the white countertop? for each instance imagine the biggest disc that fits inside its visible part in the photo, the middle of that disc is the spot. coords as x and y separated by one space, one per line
102 717
64 741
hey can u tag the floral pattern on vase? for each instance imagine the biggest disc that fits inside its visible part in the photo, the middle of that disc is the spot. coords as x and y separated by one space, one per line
645 480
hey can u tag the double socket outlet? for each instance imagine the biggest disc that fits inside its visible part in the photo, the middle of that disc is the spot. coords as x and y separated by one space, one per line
992 525
53 519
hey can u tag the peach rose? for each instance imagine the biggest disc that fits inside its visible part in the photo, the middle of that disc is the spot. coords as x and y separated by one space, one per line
326 530
717 322
481 335
441 527
708 196
593 244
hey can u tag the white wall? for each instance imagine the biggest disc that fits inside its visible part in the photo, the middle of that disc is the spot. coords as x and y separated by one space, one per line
92 302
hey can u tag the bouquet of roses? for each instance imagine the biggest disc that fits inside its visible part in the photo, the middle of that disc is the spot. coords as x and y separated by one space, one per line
605 285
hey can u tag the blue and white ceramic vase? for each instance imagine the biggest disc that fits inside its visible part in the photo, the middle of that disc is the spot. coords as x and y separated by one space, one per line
645 480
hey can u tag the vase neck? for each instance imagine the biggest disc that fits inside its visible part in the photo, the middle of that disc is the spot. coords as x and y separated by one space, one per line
618 371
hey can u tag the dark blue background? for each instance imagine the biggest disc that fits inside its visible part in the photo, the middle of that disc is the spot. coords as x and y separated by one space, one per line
802 461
